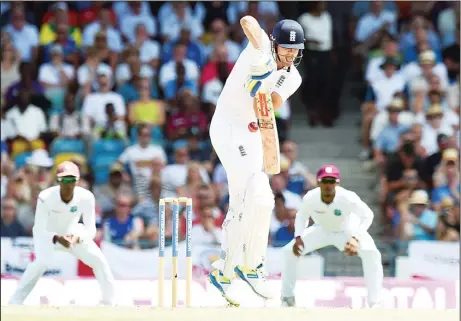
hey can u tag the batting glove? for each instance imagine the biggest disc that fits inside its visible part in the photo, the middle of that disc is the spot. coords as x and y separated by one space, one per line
263 66
253 86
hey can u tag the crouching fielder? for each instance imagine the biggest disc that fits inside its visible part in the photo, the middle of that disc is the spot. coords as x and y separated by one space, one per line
341 219
56 228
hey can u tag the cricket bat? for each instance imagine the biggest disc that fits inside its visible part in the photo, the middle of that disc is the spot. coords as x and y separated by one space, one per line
269 134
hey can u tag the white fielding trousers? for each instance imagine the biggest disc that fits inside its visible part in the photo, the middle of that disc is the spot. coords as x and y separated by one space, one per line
315 237
87 252
246 227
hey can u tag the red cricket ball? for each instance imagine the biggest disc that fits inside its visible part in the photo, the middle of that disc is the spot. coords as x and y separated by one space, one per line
253 126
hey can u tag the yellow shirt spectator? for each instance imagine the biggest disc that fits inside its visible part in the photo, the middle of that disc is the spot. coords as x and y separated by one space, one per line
48 34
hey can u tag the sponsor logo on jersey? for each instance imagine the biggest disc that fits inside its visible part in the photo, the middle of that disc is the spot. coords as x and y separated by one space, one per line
73 209
337 212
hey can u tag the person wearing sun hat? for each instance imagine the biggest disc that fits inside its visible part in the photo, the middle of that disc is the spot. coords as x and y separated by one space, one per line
433 127
341 219
56 228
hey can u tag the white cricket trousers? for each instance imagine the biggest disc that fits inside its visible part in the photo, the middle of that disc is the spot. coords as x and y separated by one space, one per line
246 227
87 252
315 237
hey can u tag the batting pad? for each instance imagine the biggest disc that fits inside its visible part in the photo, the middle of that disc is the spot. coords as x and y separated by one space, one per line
258 206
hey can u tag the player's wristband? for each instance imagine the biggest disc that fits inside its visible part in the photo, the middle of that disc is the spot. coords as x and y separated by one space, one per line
55 239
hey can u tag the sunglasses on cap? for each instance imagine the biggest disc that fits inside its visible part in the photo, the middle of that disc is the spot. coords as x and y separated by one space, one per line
67 180
328 180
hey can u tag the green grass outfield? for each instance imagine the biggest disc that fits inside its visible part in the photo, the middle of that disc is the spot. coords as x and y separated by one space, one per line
34 313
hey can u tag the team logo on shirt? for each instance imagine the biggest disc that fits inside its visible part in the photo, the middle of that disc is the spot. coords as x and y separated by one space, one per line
337 212
73 209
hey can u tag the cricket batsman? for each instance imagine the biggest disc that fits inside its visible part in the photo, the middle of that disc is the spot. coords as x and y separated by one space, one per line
267 63
57 228
341 219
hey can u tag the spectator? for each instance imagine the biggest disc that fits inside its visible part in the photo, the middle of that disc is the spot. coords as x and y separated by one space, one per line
193 182
187 117
381 120
9 66
178 73
388 139
129 69
451 57
218 66
432 162
446 178
87 73
416 72
373 25
175 175
106 54
448 224
106 194
318 31
122 8
206 198
29 124
287 231
24 35
141 77
193 48
220 37
26 81
70 50
139 157
62 7
123 228
418 222
301 178
433 127
213 78
378 97
132 18
405 158
55 76
374 72
170 26
60 15
104 23
279 185
409 40
7 9
68 123
206 233
113 128
149 50
146 110
93 11
10 224
147 209
95 104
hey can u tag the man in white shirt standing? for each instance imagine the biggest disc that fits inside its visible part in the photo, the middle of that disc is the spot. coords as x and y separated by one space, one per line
341 219
56 228
270 63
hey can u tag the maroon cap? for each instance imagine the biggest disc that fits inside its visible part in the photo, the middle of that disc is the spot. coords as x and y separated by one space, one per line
67 169
328 171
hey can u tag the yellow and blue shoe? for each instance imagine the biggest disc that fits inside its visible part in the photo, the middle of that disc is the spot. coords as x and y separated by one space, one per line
255 279
222 283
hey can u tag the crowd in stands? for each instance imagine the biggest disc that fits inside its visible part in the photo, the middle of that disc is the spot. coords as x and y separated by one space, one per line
126 90
410 114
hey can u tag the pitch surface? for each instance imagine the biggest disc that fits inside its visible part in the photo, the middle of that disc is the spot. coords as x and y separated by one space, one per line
33 313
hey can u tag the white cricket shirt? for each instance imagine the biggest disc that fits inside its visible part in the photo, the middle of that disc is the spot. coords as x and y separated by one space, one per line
54 217
347 212
235 101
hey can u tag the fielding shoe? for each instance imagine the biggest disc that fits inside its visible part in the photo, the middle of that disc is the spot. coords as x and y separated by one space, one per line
222 283
255 279
288 302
